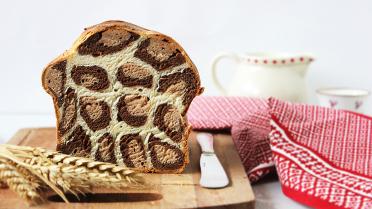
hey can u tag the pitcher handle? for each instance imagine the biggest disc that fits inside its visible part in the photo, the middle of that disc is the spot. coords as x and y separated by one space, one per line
215 61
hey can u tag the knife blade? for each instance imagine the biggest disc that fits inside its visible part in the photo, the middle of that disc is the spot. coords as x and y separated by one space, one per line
212 173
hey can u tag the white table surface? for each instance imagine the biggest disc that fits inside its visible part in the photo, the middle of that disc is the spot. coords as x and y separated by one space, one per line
268 191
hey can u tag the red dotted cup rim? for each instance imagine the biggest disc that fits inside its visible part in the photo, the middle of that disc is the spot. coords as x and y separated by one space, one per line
277 59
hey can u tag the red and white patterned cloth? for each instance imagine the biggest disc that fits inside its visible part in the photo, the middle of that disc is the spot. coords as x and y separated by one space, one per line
247 118
323 156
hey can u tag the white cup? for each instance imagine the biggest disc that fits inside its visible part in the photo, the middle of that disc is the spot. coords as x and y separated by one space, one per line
343 98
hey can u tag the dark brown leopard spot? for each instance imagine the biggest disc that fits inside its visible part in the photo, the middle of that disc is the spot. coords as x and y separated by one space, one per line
159 53
131 74
106 149
165 156
133 109
168 119
77 144
133 152
69 112
95 113
91 77
55 78
106 42
184 83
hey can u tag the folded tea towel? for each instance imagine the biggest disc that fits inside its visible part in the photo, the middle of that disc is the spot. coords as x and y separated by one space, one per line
247 118
323 157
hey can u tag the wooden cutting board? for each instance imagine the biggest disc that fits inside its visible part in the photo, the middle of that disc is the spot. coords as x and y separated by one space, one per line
169 190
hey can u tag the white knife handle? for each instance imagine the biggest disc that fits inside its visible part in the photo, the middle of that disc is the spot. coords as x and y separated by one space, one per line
205 141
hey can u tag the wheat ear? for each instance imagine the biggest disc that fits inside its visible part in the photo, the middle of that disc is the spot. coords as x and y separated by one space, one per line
20 181
64 173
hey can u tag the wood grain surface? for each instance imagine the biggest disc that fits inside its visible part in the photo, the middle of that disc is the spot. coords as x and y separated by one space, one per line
168 190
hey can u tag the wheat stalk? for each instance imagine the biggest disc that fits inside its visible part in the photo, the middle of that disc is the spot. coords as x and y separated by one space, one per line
20 181
64 173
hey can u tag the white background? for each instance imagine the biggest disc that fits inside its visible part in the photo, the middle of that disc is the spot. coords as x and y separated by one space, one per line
337 33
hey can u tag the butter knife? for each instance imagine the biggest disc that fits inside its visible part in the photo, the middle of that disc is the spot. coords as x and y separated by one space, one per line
212 173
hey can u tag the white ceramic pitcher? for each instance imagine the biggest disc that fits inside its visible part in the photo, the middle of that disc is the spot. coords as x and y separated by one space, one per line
265 74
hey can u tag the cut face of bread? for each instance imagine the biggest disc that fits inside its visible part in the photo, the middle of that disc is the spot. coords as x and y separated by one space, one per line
121 94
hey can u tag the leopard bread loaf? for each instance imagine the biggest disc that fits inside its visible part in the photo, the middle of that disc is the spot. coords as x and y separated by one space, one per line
121 94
